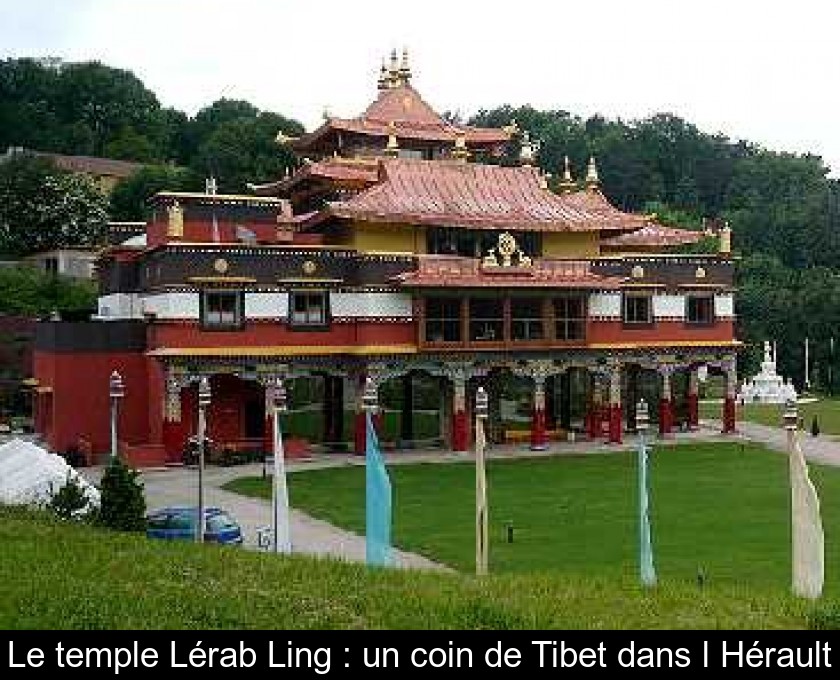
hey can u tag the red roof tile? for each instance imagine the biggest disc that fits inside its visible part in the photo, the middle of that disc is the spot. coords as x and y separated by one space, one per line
478 196
653 235
412 117
444 271
336 169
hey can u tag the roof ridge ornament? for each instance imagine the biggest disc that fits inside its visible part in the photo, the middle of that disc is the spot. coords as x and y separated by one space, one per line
567 184
527 151
382 82
593 181
392 149
506 252
460 152
394 71
405 70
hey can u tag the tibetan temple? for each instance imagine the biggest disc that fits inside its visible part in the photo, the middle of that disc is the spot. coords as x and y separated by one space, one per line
403 251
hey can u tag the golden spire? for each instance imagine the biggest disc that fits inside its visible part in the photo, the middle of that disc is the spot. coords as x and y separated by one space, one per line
392 150
725 248
567 184
460 152
527 152
394 71
405 71
382 82
511 128
592 179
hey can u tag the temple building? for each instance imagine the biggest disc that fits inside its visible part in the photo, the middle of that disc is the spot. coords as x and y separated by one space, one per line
402 250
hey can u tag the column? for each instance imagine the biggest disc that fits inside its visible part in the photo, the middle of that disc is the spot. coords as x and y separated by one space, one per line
357 382
328 410
615 405
566 400
460 423
268 430
729 400
666 409
406 420
173 434
693 400
594 412
539 436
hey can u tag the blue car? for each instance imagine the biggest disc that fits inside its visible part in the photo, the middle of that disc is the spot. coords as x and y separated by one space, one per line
179 523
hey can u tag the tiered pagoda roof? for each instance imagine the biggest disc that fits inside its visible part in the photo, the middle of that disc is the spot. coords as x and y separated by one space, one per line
479 196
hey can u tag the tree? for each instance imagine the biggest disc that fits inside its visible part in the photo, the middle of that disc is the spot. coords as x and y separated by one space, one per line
129 198
123 505
42 207
27 291
69 500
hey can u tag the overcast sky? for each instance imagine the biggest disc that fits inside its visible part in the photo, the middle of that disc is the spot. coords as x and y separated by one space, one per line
764 71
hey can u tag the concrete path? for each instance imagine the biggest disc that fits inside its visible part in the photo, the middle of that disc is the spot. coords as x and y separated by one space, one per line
179 486
823 448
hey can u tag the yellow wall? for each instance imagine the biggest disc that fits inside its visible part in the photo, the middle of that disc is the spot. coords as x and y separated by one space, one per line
388 238
571 244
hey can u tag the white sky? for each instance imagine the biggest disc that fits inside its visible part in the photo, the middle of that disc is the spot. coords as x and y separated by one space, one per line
764 71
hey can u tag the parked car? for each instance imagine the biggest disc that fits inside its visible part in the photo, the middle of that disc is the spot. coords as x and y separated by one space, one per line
180 523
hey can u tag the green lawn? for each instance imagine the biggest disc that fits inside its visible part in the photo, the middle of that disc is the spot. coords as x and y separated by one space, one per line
67 576
722 508
827 412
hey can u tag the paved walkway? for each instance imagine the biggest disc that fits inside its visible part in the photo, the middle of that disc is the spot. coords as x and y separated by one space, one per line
178 486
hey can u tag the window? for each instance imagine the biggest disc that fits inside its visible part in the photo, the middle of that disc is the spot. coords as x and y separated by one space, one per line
638 309
477 242
308 308
222 309
486 320
570 318
443 320
700 310
526 319
51 265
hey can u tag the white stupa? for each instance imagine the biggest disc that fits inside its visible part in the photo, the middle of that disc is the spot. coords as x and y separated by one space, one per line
767 387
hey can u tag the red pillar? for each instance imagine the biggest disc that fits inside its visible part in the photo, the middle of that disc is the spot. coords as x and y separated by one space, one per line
460 419
539 436
729 400
666 409
615 406
693 400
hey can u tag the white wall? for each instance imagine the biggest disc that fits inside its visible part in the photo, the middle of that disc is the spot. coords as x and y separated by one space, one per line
724 305
269 305
605 305
669 306
371 305
173 305
120 306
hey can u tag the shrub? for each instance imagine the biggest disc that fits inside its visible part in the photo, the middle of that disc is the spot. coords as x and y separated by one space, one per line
69 500
123 505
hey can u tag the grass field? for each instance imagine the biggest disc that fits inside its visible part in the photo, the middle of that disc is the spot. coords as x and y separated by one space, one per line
66 576
827 412
719 508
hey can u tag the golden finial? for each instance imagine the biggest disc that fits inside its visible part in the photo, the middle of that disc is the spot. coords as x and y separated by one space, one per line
460 152
592 179
176 220
405 71
527 152
567 184
393 148
394 70
726 240
382 82
511 128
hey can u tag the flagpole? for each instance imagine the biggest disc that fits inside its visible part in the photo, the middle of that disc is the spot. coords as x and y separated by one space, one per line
377 488
647 571
807 538
481 535
279 488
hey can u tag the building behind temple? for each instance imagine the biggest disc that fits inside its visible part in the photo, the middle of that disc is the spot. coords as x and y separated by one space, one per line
398 250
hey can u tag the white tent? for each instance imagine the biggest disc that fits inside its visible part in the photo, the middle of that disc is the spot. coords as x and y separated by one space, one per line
29 475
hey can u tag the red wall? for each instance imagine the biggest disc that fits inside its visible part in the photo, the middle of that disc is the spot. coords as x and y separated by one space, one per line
617 332
258 334
81 406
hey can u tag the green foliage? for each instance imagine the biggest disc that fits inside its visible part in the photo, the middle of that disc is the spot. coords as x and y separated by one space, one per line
129 198
123 504
722 507
152 584
28 291
68 500
42 208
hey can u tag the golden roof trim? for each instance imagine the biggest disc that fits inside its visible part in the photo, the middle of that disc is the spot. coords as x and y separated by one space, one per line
280 350
665 343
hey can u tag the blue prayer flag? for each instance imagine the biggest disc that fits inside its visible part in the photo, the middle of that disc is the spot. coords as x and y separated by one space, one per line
377 501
